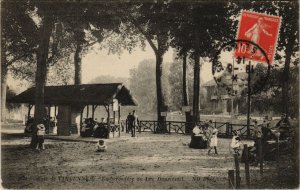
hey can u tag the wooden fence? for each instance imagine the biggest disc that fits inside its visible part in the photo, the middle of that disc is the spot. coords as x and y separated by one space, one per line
225 128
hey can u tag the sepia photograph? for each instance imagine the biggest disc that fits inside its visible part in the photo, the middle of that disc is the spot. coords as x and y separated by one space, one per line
149 94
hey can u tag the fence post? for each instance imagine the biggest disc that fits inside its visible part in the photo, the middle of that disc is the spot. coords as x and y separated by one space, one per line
227 130
261 157
108 131
237 171
247 172
154 127
113 129
277 154
169 128
231 179
139 125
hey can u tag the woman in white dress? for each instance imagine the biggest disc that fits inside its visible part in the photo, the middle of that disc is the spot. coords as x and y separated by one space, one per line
213 141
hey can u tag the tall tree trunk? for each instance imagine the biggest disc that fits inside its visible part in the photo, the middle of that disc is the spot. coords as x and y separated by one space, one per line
41 70
285 83
286 73
196 116
185 97
159 94
3 88
184 82
79 36
77 62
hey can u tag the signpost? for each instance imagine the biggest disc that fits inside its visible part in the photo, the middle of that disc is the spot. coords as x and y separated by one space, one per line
186 108
163 114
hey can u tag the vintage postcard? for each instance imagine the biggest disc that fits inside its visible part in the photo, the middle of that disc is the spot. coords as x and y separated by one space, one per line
149 94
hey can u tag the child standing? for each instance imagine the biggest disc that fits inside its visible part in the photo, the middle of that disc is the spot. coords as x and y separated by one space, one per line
40 136
214 140
101 146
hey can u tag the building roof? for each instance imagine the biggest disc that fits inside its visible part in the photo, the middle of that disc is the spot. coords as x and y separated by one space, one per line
226 78
84 94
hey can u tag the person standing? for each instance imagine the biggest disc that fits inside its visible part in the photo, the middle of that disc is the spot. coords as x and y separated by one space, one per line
40 134
127 123
257 130
136 120
131 127
213 141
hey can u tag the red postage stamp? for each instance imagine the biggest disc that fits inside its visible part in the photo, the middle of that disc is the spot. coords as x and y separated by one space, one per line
262 30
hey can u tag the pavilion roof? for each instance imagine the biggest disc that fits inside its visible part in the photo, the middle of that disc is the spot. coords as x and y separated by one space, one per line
84 94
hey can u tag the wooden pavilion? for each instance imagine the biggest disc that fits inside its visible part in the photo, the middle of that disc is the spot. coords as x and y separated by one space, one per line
69 102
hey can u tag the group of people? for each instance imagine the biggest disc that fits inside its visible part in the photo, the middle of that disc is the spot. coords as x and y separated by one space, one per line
92 128
132 122
205 135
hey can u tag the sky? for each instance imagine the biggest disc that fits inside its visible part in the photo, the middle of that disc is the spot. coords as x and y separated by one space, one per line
97 63
103 64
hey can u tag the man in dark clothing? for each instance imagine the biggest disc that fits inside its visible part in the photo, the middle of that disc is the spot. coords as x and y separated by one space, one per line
127 123
130 122
131 127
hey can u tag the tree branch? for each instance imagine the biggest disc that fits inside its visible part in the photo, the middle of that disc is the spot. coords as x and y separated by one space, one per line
137 25
8 63
134 22
99 40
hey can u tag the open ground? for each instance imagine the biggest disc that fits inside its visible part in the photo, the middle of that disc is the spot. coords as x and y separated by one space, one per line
152 161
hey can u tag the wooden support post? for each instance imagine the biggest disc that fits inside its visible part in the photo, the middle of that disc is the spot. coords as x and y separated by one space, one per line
81 115
247 172
119 120
231 184
55 111
87 111
93 111
29 109
114 115
277 154
49 111
108 122
261 157
119 114
48 120
237 171
119 129
169 128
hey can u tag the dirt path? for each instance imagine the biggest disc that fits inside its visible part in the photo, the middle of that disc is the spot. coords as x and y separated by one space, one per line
148 161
